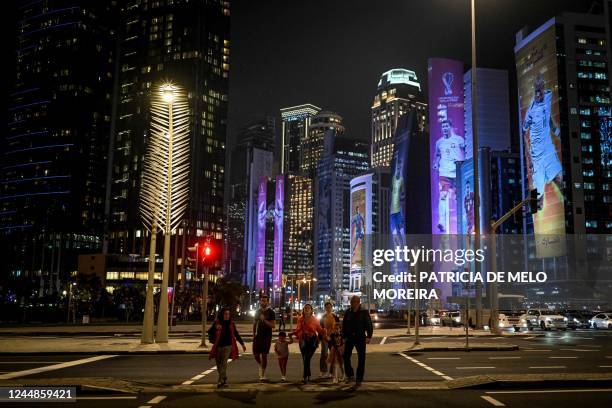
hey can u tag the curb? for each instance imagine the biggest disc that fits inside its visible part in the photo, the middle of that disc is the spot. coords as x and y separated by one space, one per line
102 352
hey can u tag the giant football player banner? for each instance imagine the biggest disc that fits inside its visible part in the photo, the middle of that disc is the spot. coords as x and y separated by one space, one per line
447 142
536 69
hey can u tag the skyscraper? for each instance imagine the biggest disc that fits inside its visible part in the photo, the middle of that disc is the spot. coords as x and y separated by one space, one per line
294 133
312 144
251 160
187 43
342 159
577 81
565 124
398 92
54 151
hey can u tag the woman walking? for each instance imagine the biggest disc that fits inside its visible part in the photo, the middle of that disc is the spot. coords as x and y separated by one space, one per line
224 335
307 331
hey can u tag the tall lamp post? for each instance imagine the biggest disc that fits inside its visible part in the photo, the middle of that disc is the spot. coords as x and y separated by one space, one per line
476 169
164 190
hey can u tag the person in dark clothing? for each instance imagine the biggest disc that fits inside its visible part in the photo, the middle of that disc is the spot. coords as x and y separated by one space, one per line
225 335
263 325
357 332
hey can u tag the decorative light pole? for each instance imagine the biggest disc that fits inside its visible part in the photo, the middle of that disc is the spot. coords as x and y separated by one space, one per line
164 190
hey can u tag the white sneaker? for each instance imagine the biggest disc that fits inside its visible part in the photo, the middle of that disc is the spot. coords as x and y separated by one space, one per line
335 381
283 378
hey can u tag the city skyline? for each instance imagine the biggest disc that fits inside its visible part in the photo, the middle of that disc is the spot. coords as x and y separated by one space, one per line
273 61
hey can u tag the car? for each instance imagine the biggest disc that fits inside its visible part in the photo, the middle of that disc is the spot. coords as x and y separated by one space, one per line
544 319
601 321
451 318
576 319
434 320
509 319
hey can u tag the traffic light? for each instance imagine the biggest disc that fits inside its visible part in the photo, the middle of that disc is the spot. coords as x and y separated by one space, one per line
533 201
211 252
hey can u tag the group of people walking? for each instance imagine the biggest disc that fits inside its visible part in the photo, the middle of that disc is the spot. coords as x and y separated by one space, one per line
337 341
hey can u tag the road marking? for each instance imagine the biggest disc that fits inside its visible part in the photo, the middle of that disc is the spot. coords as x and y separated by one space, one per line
414 360
536 350
549 391
144 406
492 401
384 339
31 362
577 350
106 398
201 375
444 358
604 366
474 368
557 357
553 367
157 399
504 358
530 337
43 369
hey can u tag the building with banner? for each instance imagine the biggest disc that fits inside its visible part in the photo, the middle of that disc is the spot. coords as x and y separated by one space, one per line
252 159
563 79
342 159
369 228
398 92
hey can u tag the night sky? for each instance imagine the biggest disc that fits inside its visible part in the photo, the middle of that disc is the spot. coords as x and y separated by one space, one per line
331 52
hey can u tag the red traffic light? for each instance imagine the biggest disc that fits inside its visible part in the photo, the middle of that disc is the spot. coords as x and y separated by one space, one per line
207 251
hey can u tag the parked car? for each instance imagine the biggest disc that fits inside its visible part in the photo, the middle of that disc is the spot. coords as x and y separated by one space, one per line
544 319
451 318
601 321
576 319
434 320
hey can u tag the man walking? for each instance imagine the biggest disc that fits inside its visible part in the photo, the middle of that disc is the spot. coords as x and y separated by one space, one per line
357 332
264 323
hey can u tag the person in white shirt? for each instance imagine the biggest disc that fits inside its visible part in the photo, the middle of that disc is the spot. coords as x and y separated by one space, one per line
450 148
538 129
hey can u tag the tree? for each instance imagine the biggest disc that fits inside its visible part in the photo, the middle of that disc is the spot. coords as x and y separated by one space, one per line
227 293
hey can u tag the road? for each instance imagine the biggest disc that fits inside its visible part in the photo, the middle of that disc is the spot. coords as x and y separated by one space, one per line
582 351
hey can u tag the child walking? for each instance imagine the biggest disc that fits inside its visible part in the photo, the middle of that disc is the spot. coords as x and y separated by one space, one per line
336 356
281 348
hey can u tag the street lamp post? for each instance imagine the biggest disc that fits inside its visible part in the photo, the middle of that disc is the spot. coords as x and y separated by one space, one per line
162 319
147 325
164 189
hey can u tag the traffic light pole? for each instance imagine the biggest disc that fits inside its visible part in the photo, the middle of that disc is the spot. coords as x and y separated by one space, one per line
204 305
532 201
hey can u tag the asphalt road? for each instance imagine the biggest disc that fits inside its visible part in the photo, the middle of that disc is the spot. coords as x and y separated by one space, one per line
582 351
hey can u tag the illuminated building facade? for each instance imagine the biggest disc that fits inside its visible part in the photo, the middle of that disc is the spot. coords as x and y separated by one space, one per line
251 160
398 92
342 159
188 43
54 149
294 133
312 144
